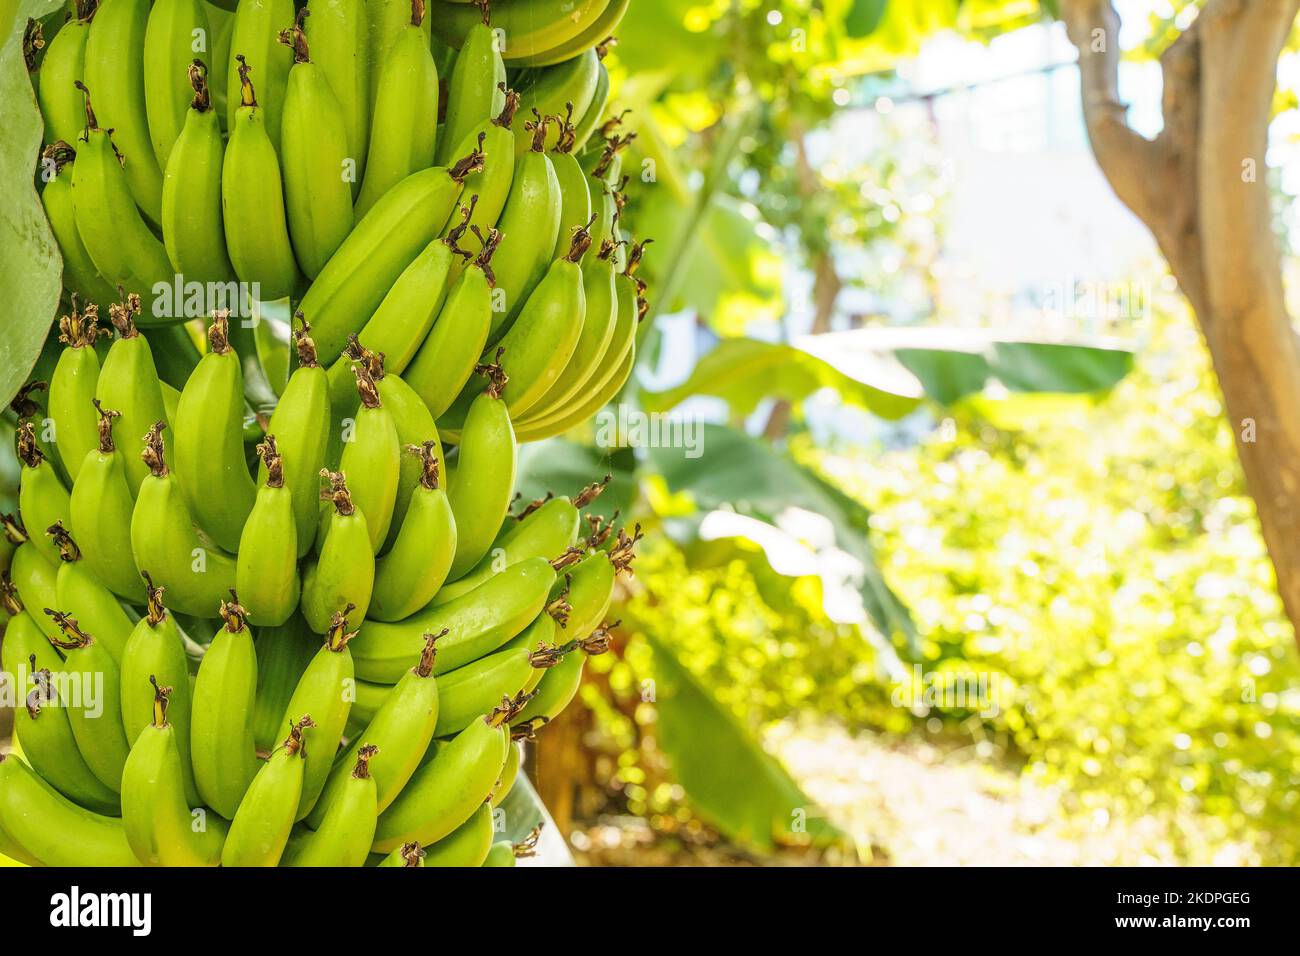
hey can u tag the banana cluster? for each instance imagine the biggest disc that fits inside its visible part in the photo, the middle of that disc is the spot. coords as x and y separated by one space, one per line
446 626
312 157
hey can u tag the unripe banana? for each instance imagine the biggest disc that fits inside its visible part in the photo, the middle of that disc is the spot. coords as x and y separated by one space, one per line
260 828
326 690
476 90
509 774
33 577
529 225
42 499
283 654
117 239
501 853
100 511
95 714
550 89
496 140
156 649
575 202
314 155
252 196
221 725
79 273
266 566
72 389
406 855
210 461
344 575
177 31
591 119
82 594
596 36
128 382
384 242
415 426
451 350
348 828
447 790
62 68
160 826
468 692
222 17
193 225
254 38
115 70
195 573
404 128
539 635
371 459
485 474
468 844
530 27
301 423
385 21
401 728
408 577
339 34
53 829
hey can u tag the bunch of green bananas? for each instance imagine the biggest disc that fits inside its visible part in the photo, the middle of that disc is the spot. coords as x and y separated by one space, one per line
312 156
444 625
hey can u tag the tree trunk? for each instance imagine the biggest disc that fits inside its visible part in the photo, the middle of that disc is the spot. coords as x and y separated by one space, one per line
1201 187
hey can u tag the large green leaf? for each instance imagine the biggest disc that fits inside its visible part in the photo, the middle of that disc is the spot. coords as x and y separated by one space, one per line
747 475
744 372
31 268
729 779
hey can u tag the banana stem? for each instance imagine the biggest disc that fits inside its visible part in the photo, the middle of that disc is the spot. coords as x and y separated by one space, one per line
303 343
428 463
425 667
198 72
105 425
274 463
361 770
233 614
155 612
153 454
30 455
68 550
161 698
507 115
247 95
337 634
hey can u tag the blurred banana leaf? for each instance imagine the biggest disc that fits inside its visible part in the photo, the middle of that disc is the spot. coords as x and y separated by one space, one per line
31 268
732 782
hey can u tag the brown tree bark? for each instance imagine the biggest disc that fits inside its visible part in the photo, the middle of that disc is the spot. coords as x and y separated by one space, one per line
1201 187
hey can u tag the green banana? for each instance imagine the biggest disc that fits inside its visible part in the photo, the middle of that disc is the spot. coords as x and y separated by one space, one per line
72 387
42 499
156 649
404 126
529 225
408 854
254 38
221 723
266 566
476 90
451 351
115 70
385 21
53 829
63 66
94 703
221 14
314 156
260 828
477 623
556 689
485 473
33 578
401 728
570 84
252 197
496 140
540 634
344 575
372 458
116 236
165 543
509 774
100 510
79 591
501 853
176 32
401 323
156 807
595 36
357 277
411 573
469 691
598 324
283 654
325 689
210 462
575 203
415 426
467 845
348 828
591 119
128 382
194 231
530 27
339 35
301 423
447 790
26 640
79 273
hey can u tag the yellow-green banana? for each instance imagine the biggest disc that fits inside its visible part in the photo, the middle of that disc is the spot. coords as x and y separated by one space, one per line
530 27
283 654
404 125
42 499
348 828
491 184
260 828
385 20
571 84
80 592
79 273
252 197
592 37
467 845
266 565
221 724
406 855
314 156
34 577
128 382
177 32
411 573
254 38
372 458
344 574
575 205
100 511
72 389
62 67
476 91
340 36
